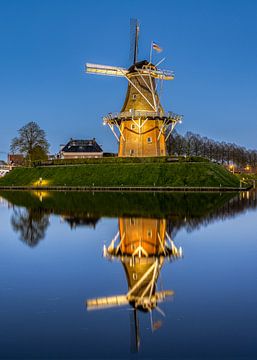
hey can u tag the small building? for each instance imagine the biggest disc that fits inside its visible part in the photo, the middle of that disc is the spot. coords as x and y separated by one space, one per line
79 149
15 159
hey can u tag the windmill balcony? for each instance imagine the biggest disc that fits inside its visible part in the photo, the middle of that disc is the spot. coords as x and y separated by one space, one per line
117 117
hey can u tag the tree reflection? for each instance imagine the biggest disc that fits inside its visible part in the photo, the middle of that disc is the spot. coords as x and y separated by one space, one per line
31 224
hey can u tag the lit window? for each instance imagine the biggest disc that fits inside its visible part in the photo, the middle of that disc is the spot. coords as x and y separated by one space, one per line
132 221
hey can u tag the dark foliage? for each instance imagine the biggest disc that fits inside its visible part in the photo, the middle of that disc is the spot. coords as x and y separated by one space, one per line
222 152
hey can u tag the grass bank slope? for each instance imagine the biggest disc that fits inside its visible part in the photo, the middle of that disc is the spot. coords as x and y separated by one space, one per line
134 174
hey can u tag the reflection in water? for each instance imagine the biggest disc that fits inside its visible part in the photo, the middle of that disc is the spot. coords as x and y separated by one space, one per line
147 227
3 201
77 220
31 224
142 245
187 211
236 205
41 195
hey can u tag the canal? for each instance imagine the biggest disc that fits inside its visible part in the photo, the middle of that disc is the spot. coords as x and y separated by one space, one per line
120 275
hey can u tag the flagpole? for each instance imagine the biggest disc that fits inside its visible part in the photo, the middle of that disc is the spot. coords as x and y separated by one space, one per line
151 51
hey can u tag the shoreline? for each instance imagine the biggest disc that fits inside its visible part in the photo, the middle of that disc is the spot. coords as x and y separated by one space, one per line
126 188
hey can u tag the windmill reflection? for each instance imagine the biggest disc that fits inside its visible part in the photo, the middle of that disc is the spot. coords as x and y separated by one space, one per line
142 245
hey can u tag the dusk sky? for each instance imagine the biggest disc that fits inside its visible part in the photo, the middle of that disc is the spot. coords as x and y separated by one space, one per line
210 44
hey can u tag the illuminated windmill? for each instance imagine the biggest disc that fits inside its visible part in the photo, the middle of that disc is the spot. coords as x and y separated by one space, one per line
142 245
142 127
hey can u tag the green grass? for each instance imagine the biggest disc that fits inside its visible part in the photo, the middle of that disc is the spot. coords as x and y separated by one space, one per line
120 160
126 174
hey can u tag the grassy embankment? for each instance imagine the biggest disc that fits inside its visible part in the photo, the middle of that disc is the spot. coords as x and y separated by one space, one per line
180 174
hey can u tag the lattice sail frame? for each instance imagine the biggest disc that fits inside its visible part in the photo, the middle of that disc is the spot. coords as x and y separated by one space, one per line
114 120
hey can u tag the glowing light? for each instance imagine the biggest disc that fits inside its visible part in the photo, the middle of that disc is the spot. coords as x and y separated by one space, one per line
41 194
41 182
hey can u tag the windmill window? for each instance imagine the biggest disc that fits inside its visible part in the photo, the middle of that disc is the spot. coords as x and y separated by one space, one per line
134 276
133 126
132 221
149 233
131 152
134 96
149 140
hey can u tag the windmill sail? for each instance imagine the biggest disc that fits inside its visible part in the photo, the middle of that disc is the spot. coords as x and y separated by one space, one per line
105 70
134 34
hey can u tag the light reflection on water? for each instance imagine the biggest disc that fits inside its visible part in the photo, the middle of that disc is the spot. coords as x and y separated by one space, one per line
106 275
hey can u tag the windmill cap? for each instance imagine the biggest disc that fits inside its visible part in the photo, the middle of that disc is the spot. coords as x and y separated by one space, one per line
140 65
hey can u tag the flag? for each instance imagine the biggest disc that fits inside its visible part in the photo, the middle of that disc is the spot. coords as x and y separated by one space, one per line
156 47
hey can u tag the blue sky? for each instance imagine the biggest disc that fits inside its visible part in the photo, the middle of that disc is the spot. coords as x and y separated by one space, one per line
210 44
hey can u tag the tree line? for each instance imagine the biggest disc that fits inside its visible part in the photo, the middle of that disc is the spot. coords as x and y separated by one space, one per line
31 141
222 152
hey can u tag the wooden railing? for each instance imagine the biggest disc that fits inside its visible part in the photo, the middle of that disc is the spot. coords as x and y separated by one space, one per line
144 114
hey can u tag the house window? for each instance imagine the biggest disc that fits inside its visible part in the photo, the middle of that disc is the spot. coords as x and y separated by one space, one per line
149 140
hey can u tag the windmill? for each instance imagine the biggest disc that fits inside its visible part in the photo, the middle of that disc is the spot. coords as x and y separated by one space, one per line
142 127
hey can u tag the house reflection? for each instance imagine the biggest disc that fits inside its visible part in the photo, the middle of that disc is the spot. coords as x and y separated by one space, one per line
142 245
80 221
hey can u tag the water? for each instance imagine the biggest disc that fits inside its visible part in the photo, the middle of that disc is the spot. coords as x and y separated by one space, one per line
183 266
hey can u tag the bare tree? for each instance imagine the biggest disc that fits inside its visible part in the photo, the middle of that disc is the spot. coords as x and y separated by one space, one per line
31 142
195 145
